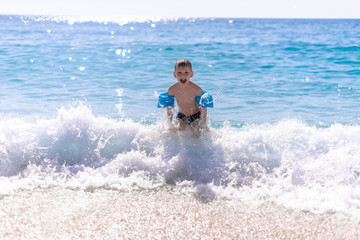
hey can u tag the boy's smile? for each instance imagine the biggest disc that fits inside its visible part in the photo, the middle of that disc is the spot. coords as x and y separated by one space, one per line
183 74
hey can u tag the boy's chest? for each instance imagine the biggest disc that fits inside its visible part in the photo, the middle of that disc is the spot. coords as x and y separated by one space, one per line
185 97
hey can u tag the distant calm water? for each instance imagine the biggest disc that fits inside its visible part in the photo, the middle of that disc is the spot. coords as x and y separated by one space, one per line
259 70
78 107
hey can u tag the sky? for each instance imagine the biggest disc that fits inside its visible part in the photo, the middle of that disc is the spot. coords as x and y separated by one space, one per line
187 8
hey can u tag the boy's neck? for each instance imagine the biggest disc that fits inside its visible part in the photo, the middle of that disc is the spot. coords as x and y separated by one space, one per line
186 85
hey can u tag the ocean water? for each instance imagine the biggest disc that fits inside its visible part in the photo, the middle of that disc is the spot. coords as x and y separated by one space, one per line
78 108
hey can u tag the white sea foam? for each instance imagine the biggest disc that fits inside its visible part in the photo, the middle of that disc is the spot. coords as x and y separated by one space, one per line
290 163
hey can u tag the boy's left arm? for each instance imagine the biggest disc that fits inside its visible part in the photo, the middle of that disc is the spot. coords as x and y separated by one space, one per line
204 114
203 110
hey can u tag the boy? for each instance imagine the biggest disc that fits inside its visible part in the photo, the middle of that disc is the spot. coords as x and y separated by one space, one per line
185 91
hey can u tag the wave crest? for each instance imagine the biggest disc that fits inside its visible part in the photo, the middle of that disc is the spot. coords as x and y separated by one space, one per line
288 161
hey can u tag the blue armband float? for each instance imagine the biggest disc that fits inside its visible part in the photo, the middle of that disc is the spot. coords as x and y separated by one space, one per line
205 100
165 100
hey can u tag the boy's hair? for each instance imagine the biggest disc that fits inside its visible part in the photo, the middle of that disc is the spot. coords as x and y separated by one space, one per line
183 63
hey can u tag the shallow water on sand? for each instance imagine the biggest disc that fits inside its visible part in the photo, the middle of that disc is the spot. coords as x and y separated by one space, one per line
57 213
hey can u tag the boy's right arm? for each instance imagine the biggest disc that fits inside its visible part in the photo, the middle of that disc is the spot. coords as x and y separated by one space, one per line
170 113
170 109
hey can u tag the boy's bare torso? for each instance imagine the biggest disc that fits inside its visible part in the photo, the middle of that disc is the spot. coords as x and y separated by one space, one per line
185 96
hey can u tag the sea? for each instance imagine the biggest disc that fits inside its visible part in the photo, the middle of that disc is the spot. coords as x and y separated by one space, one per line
78 114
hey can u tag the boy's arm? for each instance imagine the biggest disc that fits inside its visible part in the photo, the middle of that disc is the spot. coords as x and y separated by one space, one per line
170 109
170 113
203 110
204 114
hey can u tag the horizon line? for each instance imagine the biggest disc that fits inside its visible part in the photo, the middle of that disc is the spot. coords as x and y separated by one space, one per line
176 17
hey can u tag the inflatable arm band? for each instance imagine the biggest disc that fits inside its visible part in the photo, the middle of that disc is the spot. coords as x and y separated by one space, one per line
165 100
204 101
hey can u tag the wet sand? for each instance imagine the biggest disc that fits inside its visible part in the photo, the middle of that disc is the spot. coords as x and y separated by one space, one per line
162 214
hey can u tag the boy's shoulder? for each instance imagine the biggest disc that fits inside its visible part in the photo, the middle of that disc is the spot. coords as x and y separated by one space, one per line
172 88
196 88
194 85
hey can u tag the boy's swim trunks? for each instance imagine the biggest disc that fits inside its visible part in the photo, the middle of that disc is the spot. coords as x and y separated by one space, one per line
189 119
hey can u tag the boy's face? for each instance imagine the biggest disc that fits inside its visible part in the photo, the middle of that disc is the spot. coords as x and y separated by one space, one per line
183 74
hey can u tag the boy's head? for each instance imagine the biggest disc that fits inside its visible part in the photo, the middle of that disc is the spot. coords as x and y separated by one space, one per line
183 63
183 71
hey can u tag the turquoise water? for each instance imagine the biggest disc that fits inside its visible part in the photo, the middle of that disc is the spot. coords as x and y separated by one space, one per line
259 70
79 96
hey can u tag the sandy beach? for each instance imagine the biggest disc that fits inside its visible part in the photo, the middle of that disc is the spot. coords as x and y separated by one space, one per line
58 213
